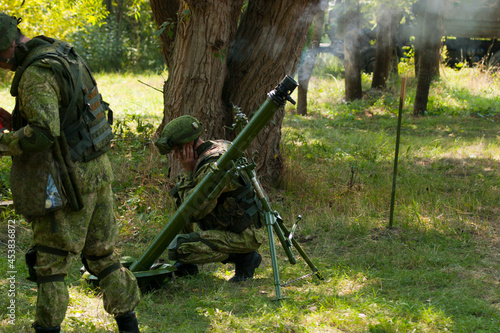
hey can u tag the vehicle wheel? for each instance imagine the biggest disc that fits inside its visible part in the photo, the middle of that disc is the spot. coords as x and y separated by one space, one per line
494 61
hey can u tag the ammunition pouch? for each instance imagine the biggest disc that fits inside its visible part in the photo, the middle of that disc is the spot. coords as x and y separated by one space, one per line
31 257
235 211
90 137
41 194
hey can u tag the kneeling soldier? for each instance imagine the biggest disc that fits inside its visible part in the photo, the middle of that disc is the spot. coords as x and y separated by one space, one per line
230 225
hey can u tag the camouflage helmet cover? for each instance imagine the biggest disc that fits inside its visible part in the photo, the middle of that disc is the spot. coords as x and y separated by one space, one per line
8 31
181 130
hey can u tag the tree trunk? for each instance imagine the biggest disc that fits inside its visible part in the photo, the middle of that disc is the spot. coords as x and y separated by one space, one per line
109 6
428 67
309 59
384 49
418 9
214 62
198 65
267 46
166 12
353 89
397 45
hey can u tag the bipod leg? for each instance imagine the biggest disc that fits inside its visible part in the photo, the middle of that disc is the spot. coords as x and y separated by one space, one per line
270 222
274 222
290 238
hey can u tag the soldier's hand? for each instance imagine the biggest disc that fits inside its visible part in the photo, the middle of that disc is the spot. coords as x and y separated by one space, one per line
186 155
6 119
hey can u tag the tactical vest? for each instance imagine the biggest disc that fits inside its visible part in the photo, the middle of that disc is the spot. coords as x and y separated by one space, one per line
83 112
235 210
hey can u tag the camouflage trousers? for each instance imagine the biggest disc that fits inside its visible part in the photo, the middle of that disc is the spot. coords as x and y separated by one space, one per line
92 232
213 245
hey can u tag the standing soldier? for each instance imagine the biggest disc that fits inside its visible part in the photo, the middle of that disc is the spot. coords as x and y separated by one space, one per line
60 176
230 224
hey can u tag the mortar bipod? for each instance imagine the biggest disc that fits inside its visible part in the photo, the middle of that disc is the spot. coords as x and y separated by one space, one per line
274 222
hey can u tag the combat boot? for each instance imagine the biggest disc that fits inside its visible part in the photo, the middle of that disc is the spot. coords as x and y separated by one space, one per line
245 265
185 269
41 329
127 323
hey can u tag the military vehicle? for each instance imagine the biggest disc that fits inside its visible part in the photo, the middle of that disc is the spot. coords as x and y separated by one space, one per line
471 29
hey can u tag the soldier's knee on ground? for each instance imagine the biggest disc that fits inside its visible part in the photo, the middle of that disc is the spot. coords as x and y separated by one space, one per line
178 241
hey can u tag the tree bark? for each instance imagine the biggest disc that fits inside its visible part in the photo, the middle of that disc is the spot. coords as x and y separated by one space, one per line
418 9
353 89
384 49
267 46
109 6
198 64
214 62
397 44
308 59
428 66
166 12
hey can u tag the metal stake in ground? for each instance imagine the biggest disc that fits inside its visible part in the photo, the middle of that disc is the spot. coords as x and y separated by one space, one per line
398 132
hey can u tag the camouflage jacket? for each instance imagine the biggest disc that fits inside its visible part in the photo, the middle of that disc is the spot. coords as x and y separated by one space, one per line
225 212
38 102
187 180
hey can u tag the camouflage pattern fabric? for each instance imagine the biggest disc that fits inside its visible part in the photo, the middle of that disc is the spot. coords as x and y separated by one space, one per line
206 246
93 232
193 248
39 98
9 144
187 181
181 130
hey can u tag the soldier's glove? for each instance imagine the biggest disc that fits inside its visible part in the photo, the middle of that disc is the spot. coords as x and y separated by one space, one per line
34 139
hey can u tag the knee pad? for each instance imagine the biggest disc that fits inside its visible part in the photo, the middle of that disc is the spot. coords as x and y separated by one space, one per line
31 257
90 262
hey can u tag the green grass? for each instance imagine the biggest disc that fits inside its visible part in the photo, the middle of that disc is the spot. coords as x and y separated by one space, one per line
436 270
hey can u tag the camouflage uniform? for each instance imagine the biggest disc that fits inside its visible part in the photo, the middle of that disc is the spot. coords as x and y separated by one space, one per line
60 234
214 242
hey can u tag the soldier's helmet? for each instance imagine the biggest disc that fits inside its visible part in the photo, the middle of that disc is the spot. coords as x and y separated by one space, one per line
181 130
8 31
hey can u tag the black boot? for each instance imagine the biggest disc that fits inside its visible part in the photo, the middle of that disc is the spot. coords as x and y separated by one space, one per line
185 269
41 329
245 265
127 323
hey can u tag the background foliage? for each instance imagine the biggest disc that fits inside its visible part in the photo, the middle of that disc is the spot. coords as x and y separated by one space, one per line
56 18
122 42
435 271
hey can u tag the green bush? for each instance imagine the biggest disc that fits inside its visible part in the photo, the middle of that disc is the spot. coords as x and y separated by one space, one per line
125 46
